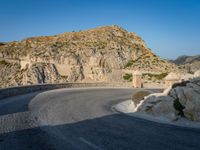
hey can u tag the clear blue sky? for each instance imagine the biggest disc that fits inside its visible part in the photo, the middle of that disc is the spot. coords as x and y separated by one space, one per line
169 27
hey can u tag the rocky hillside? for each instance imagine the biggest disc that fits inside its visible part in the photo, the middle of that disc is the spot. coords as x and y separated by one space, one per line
102 54
190 63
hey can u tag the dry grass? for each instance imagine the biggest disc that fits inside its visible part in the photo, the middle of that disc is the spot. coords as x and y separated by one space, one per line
139 95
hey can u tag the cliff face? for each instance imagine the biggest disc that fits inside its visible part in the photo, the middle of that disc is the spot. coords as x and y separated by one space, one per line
97 55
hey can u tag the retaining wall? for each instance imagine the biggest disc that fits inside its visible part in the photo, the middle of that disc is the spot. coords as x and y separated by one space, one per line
12 91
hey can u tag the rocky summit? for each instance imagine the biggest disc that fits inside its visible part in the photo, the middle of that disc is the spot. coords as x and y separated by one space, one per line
102 54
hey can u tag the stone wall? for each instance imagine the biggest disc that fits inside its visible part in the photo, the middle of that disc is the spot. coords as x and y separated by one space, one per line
13 91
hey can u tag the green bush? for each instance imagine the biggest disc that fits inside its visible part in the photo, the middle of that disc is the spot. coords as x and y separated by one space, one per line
58 44
128 77
3 62
156 76
129 64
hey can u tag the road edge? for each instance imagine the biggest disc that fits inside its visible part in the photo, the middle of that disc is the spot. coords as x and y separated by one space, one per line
189 124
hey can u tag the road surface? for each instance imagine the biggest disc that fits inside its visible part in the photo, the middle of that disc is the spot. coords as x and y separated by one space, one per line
83 119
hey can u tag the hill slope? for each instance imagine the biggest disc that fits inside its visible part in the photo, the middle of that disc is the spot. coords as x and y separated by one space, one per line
102 54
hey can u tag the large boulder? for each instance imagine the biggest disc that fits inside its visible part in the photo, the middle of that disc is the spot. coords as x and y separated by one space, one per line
158 105
181 100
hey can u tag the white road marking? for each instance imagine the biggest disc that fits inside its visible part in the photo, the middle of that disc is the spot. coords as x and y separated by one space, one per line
89 143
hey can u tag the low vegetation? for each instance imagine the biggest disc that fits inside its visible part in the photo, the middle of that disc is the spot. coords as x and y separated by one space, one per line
129 64
128 77
139 95
155 76
3 62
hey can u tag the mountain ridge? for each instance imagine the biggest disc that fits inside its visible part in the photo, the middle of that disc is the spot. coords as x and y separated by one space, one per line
189 63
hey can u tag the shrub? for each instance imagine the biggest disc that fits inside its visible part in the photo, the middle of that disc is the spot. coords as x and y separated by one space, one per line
179 107
156 76
58 44
129 64
128 77
3 62
1 43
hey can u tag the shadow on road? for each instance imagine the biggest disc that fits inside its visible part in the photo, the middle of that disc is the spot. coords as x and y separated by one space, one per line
16 104
115 132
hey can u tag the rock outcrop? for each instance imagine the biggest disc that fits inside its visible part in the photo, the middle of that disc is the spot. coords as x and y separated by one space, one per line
102 54
181 100
197 73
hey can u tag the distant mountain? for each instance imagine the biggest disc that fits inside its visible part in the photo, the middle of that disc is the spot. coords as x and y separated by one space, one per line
184 59
190 63
96 55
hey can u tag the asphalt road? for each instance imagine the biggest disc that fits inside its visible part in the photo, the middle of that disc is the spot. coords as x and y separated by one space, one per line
84 119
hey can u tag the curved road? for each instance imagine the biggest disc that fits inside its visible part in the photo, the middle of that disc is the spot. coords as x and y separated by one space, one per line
82 119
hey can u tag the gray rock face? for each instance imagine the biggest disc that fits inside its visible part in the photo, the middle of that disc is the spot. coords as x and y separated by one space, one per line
158 105
41 73
182 98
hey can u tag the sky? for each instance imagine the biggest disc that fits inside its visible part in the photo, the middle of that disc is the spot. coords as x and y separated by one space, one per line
169 27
